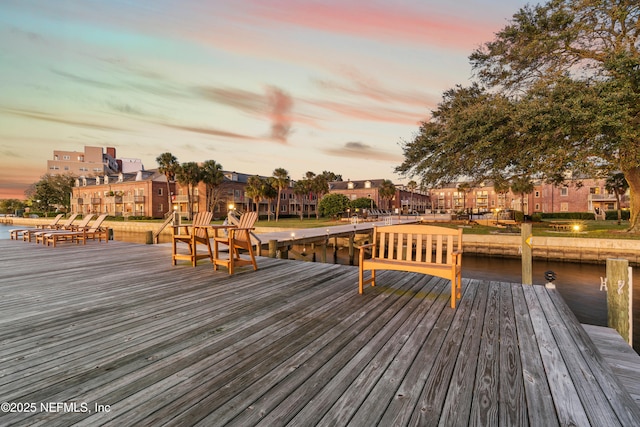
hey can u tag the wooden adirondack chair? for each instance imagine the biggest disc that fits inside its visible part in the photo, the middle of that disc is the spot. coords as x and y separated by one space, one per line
192 235
237 237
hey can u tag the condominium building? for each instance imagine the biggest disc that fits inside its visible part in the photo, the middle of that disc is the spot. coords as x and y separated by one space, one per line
92 161
405 200
143 193
584 195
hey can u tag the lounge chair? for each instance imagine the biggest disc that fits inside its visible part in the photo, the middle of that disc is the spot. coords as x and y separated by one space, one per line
193 235
40 235
14 234
95 231
237 237
27 236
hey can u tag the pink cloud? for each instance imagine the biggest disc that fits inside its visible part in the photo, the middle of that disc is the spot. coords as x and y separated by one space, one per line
380 21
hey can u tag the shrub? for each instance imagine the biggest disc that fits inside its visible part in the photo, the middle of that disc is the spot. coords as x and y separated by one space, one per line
569 215
613 215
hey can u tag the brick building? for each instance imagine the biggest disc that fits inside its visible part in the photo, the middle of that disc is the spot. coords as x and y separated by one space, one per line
405 200
143 193
586 195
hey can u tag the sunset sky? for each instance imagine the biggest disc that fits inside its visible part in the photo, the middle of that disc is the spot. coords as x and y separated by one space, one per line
255 85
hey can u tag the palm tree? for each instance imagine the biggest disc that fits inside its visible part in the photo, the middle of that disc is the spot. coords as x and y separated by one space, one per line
387 191
308 183
213 178
618 185
280 181
168 165
320 185
269 192
300 189
189 174
254 190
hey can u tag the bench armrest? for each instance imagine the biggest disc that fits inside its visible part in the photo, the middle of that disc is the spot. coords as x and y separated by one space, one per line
366 246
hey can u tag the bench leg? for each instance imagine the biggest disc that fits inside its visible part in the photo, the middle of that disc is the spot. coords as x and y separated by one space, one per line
361 280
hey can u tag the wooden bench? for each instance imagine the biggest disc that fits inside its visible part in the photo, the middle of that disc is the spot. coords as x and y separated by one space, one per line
422 249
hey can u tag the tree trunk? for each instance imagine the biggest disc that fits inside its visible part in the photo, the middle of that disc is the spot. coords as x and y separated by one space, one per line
169 207
633 179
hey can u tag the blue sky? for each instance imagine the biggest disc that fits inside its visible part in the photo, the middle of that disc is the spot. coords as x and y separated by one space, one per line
255 85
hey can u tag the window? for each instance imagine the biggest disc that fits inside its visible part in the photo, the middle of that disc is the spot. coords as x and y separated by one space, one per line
537 194
66 157
594 190
564 207
350 185
160 207
160 192
367 184
81 158
564 191
66 168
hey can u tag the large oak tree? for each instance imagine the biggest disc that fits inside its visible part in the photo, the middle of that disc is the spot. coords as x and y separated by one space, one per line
557 91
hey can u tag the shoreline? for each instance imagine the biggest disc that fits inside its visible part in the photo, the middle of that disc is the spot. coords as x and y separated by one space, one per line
580 250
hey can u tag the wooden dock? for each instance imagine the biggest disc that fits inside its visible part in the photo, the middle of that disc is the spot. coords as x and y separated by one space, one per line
113 334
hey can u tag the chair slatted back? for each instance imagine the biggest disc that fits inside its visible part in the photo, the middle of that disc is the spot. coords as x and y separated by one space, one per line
85 221
247 220
69 221
97 223
199 219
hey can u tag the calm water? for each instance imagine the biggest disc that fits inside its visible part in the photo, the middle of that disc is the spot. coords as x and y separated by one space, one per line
579 284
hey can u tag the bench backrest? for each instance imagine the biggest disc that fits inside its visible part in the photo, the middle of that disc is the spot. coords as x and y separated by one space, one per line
416 243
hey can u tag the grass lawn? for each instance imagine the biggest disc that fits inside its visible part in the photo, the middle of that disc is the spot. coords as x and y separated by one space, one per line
588 229
297 223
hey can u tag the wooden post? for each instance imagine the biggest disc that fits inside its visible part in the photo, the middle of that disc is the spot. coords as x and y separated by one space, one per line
619 297
527 239
335 250
273 248
323 250
149 237
351 249
284 252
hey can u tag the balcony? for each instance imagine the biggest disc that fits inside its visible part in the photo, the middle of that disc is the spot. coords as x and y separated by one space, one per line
133 199
602 197
112 200
96 200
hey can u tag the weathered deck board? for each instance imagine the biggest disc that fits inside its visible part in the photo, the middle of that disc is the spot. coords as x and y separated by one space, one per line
619 355
294 343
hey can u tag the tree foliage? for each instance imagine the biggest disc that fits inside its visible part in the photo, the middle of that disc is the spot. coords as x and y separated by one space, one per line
189 174
387 191
362 203
333 204
168 166
10 206
617 184
557 94
280 181
213 177
51 192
